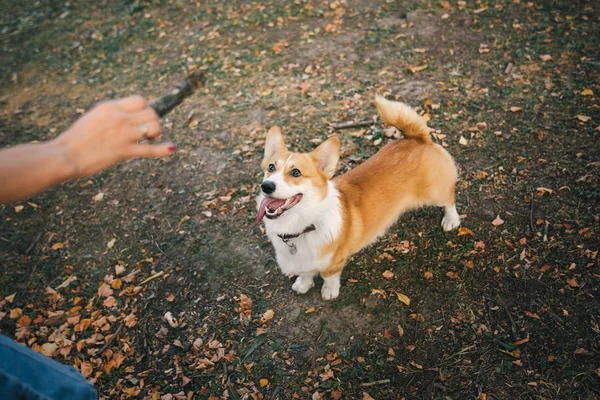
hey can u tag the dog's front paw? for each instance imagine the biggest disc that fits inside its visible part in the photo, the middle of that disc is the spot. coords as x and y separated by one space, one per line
330 290
302 284
451 219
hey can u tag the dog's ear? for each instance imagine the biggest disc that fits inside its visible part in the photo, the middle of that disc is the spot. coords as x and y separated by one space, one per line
274 143
327 155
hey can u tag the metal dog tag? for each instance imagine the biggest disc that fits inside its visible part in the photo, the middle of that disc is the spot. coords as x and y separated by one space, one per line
293 249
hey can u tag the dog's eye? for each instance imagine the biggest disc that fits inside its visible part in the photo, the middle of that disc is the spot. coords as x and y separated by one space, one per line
271 167
296 173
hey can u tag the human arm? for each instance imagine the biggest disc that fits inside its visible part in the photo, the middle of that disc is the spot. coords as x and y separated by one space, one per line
107 134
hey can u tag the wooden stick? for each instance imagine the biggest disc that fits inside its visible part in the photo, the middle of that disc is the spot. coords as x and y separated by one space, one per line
156 275
381 382
111 338
351 124
174 97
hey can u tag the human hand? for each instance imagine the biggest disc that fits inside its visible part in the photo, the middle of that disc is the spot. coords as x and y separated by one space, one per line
109 133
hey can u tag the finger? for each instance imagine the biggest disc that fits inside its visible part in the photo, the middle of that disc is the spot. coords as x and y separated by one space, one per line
153 150
153 130
144 116
146 130
131 103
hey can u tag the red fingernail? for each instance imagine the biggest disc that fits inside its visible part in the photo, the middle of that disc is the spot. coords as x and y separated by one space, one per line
172 148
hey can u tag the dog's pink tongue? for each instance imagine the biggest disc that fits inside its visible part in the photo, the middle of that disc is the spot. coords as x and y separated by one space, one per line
270 202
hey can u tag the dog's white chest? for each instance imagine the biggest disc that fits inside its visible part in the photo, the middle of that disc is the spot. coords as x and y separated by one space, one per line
299 255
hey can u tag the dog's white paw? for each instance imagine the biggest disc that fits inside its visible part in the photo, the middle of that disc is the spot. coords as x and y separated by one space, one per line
302 284
451 219
330 290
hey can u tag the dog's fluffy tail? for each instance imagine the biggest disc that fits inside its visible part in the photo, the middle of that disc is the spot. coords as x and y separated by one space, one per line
403 117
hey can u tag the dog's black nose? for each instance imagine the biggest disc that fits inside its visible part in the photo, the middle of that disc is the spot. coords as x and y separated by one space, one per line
268 187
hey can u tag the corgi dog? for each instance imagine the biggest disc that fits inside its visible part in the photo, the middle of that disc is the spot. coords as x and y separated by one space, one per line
316 223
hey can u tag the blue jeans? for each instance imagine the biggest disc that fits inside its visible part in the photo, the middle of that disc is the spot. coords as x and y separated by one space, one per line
26 374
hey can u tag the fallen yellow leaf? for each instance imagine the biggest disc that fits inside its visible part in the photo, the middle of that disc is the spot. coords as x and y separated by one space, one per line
414 70
583 118
403 298
263 382
463 230
18 209
587 92
310 310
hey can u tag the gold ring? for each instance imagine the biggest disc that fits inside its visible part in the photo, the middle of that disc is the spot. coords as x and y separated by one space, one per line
144 129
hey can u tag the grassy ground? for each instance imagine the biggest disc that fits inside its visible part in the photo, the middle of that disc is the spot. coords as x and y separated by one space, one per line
507 308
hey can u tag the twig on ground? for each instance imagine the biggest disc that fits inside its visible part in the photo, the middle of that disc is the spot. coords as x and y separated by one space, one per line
531 215
34 242
513 325
156 275
374 383
112 338
351 124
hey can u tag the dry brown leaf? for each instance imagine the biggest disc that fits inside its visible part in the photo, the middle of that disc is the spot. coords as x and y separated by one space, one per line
452 275
400 330
532 315
16 313
18 209
388 274
546 57
170 297
417 317
428 275
86 369
415 69
379 292
98 197
116 284
463 230
367 396
515 109
24 321
267 316
10 298
110 302
498 221
104 290
171 320
522 341
583 118
48 349
587 92
572 282
582 352
310 310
